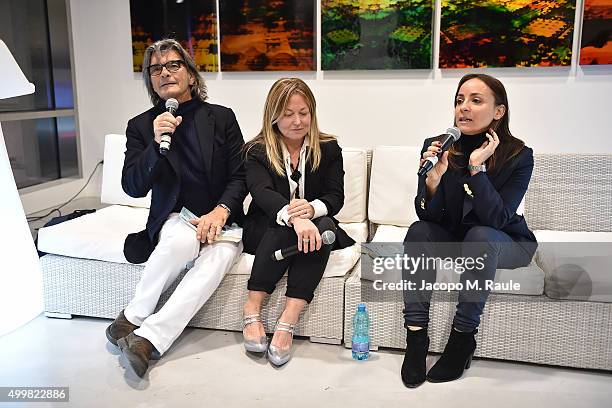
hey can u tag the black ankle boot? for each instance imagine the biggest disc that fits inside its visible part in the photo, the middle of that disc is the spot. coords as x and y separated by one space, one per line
456 358
413 367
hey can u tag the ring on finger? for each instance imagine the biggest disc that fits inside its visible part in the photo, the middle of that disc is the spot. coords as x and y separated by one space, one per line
306 240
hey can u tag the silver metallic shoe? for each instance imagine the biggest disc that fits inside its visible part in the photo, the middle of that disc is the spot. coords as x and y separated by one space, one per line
254 346
275 355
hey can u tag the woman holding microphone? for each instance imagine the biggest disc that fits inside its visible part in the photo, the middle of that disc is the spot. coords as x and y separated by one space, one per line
469 197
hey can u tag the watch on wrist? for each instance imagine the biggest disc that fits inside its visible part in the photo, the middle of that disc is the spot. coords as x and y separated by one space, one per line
480 167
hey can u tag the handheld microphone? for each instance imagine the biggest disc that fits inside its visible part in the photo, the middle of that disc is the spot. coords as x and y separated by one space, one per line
166 137
328 237
449 137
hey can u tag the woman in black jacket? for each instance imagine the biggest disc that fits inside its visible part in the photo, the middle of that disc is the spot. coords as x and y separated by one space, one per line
471 197
296 178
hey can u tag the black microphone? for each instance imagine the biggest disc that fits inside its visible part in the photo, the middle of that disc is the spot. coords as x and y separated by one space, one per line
166 138
328 237
449 137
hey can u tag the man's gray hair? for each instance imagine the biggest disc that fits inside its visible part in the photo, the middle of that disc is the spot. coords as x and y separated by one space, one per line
198 89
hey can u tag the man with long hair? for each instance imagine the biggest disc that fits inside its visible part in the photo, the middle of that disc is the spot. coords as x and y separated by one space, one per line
202 171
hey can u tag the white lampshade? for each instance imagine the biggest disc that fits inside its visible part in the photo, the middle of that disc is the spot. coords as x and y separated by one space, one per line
20 278
14 83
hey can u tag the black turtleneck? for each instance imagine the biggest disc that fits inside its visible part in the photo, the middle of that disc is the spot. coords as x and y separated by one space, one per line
195 191
468 143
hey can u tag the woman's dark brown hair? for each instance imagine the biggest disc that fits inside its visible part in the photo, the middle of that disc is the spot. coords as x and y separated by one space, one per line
509 146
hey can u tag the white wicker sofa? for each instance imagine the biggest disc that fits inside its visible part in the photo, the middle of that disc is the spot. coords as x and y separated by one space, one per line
85 272
555 318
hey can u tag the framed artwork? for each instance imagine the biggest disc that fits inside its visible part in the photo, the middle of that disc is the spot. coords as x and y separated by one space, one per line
376 34
193 23
596 44
267 35
506 33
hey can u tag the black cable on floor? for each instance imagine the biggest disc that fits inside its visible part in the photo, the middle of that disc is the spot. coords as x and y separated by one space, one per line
32 219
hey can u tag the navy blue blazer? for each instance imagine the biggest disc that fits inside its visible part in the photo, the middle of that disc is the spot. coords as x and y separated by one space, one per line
144 170
271 192
488 199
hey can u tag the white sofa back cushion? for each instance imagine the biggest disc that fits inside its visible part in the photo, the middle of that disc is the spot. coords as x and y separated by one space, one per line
355 180
355 185
112 192
393 185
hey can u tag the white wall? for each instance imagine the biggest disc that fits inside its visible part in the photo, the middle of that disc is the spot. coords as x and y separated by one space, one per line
552 109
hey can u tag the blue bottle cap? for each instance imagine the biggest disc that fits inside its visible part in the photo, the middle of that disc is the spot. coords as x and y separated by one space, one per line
361 307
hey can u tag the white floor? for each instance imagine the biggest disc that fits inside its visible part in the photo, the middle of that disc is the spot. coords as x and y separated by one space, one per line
210 368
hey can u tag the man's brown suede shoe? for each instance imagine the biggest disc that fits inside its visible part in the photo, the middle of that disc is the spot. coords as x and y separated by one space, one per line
121 327
137 351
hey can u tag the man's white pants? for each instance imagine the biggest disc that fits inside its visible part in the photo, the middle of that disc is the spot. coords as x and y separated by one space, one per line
177 247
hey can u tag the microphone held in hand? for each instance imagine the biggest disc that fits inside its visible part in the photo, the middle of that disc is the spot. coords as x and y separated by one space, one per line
448 138
328 237
166 137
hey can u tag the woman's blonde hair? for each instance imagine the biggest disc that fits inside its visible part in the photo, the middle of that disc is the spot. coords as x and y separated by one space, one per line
271 138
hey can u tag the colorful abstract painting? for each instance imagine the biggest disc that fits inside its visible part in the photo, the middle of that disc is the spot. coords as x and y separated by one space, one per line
506 33
376 34
267 35
193 23
596 44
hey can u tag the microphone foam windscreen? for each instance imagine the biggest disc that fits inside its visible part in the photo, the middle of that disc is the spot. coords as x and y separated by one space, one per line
328 237
454 132
172 103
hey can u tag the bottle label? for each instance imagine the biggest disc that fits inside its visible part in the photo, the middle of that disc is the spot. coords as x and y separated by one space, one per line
360 347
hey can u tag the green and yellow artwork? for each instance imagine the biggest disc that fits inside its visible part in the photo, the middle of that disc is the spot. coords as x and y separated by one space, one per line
506 33
376 34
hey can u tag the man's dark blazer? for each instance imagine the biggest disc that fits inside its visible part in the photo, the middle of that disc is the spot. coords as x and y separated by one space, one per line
144 170
488 199
270 192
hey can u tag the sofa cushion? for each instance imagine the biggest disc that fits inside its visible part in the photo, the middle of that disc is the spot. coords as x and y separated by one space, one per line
393 185
100 236
530 278
355 180
340 262
112 192
355 185
356 230
577 264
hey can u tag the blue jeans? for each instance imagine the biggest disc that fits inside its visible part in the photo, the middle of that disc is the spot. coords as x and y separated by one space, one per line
493 247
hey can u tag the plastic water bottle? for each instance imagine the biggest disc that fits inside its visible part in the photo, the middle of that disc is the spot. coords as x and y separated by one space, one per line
361 333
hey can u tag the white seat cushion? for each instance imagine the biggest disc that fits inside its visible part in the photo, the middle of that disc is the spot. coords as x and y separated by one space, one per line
577 264
530 278
393 185
98 235
340 262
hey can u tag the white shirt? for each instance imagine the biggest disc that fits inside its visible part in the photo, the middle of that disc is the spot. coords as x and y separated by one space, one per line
320 209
